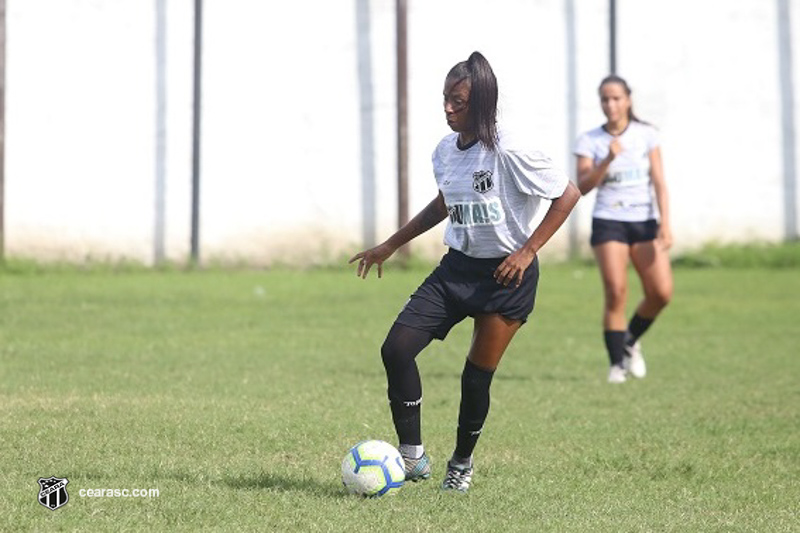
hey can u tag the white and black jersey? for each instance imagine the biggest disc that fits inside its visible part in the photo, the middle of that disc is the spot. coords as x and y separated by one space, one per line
625 193
492 197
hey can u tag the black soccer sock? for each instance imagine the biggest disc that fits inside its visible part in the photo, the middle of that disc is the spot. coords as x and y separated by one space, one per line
636 328
399 350
615 344
475 383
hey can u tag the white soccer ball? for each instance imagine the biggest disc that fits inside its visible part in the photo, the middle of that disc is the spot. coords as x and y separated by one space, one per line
373 468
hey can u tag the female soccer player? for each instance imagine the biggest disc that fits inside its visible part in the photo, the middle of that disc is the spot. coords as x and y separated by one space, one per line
622 160
490 189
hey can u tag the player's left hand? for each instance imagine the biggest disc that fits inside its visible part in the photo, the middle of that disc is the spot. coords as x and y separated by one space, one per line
513 268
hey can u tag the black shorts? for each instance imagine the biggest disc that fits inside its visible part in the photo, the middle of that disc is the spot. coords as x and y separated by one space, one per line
463 286
628 232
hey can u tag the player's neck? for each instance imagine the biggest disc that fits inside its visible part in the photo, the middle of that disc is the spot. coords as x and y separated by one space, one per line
616 127
465 138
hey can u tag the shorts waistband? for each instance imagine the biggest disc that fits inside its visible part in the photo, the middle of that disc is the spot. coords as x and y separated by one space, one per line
485 260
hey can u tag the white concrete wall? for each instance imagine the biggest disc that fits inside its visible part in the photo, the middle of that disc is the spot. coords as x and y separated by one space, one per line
281 161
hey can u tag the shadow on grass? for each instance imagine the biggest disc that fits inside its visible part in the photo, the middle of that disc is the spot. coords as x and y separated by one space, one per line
255 481
266 481
456 376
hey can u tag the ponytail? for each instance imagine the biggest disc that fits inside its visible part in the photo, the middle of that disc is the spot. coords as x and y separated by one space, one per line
482 96
483 99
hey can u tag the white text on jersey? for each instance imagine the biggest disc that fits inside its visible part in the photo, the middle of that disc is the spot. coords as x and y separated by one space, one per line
486 213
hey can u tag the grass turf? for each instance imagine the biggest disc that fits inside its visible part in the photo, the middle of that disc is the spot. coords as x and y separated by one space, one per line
237 393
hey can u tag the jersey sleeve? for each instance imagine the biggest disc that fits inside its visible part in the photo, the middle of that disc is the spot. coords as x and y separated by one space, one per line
583 146
535 174
438 164
653 138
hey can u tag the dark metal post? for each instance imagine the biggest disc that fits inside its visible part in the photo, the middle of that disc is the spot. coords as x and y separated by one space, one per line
2 130
612 36
198 48
402 119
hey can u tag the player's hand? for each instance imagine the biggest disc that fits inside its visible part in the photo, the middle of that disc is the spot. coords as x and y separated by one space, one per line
373 256
513 268
664 237
614 149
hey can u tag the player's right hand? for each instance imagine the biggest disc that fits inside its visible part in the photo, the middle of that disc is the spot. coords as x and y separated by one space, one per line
373 256
614 149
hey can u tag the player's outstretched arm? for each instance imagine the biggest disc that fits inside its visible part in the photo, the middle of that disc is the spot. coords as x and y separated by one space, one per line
430 216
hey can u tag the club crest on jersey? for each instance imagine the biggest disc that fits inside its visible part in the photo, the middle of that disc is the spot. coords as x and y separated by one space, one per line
482 181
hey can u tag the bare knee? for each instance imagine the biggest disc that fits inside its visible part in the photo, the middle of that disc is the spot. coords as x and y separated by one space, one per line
660 297
616 296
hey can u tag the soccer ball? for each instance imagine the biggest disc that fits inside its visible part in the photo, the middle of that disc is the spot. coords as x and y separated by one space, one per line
373 468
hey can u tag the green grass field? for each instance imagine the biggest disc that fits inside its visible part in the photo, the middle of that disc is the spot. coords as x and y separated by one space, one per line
237 393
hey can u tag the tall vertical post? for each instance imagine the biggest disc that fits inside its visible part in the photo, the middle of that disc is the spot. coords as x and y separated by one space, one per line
2 130
787 121
572 110
161 132
612 36
198 49
367 130
402 119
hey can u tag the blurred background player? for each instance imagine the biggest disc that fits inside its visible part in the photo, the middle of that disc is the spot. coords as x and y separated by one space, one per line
490 190
622 160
